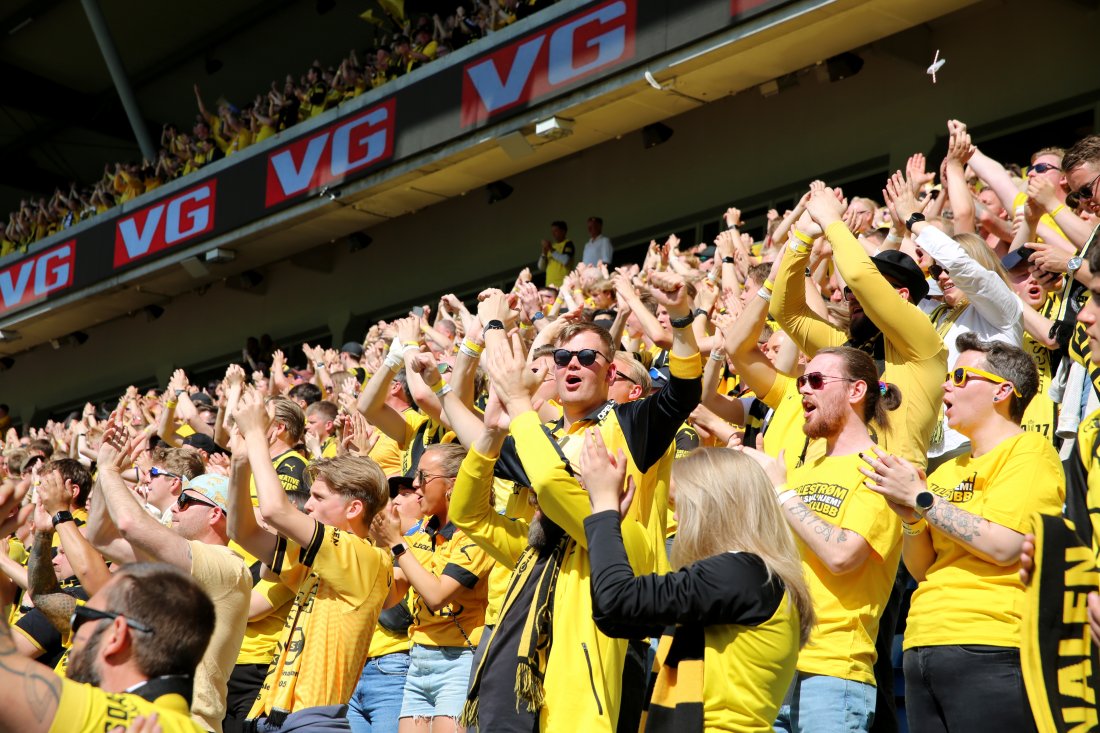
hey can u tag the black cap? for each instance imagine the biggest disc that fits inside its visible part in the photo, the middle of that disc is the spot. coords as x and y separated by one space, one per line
203 442
352 347
399 482
1016 257
901 268
202 397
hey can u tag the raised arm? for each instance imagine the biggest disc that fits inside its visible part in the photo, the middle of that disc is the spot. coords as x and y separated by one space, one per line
55 495
959 151
808 329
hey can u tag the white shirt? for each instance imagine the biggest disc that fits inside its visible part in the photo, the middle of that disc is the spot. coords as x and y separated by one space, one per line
596 250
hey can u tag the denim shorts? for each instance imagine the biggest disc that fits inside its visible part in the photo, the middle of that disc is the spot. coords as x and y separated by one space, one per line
437 681
821 704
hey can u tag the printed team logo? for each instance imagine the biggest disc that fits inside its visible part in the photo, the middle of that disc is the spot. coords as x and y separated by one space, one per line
960 494
550 58
825 499
33 278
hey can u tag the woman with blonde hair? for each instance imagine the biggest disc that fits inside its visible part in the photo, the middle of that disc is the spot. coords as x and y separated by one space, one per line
737 602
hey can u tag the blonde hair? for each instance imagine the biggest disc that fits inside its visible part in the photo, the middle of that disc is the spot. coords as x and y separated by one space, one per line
980 252
725 502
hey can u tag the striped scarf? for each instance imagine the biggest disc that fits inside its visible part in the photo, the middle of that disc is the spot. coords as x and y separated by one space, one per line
537 637
676 704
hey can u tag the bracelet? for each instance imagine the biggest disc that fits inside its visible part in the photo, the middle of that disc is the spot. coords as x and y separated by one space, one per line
798 248
786 496
410 343
474 347
764 294
718 355
769 285
469 352
439 386
682 322
892 238
912 529
802 236
444 391
1057 210
170 405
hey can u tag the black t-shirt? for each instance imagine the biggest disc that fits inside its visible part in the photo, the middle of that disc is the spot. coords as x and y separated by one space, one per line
35 625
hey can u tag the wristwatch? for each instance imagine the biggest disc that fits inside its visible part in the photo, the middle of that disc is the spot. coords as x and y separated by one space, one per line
728 260
62 516
924 501
398 550
538 315
915 217
1073 265
494 324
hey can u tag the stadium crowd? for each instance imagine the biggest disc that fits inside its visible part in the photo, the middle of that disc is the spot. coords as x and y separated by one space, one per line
690 493
410 41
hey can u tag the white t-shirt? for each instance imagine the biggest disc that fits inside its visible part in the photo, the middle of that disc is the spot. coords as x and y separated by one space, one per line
596 250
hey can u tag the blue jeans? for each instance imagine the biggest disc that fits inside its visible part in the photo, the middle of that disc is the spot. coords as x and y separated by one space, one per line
820 704
376 703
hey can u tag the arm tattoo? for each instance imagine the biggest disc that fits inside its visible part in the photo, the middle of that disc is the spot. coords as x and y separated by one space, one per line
58 609
41 578
809 517
41 686
956 522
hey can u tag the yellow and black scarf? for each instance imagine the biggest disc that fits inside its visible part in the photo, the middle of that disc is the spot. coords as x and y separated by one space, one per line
538 631
676 704
1060 663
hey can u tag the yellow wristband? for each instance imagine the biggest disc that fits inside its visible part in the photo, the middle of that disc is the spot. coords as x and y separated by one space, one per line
769 285
411 343
472 346
170 405
802 237
438 386
915 528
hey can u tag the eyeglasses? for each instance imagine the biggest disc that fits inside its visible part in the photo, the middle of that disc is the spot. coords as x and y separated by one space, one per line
620 376
1083 194
1043 168
422 478
83 614
817 380
586 357
154 472
959 376
934 270
186 500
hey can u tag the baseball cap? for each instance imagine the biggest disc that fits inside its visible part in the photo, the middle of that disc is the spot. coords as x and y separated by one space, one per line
213 486
1016 257
399 482
352 347
203 442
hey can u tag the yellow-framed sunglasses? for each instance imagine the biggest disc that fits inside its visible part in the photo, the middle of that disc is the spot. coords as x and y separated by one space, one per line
959 375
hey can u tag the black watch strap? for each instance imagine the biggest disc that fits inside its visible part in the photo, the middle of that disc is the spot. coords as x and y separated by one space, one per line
62 516
728 260
398 550
682 322
915 217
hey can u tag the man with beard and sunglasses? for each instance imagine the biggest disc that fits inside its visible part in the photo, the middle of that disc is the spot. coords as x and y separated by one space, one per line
848 538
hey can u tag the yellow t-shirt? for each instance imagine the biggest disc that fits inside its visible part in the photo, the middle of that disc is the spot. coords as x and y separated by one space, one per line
448 551
342 582
1087 435
848 606
1021 199
964 599
1041 415
225 578
86 709
261 636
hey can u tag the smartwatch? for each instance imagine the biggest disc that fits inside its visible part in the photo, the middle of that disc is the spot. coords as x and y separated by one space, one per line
538 316
924 501
1073 265
915 217
728 261
62 516
682 322
494 324
398 550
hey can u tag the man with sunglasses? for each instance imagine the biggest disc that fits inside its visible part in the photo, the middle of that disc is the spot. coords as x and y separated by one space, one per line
848 540
964 530
121 529
165 479
135 648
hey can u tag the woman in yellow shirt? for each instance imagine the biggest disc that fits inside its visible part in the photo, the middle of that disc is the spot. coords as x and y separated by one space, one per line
738 601
964 527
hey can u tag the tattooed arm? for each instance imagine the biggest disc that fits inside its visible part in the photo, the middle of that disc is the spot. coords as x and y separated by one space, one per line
841 550
990 541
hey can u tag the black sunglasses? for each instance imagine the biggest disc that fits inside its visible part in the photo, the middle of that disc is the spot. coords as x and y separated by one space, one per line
934 270
1081 195
83 614
586 357
154 472
186 500
1044 167
817 380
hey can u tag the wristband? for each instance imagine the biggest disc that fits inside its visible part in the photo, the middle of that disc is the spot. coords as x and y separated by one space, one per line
411 343
474 347
786 496
171 405
912 529
62 516
469 352
802 236
682 322
444 390
718 355
892 238
438 386
764 294
393 362
798 248
769 285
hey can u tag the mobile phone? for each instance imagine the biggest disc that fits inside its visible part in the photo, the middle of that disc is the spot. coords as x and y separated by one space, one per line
418 311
